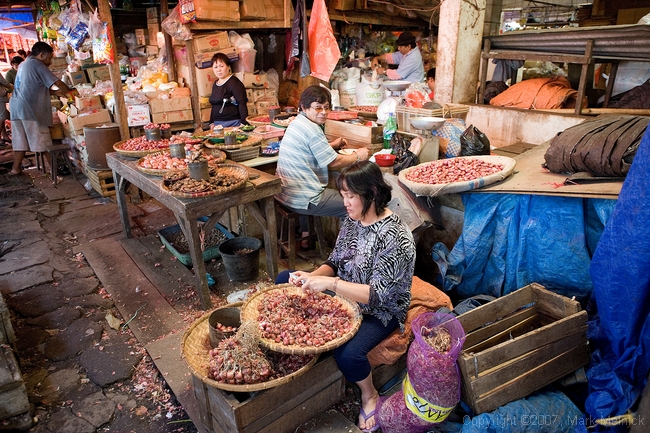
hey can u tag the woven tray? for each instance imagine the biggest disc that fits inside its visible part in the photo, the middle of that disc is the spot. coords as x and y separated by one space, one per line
243 154
361 113
140 153
249 313
433 190
217 154
241 173
283 120
195 349
252 140
257 120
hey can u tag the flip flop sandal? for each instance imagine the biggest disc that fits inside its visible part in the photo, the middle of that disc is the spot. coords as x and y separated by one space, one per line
365 418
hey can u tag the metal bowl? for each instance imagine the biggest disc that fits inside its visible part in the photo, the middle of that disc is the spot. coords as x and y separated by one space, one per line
396 86
427 123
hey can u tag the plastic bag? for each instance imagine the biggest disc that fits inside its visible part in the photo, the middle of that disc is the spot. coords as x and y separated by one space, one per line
474 142
431 388
326 53
173 26
451 132
404 158
187 11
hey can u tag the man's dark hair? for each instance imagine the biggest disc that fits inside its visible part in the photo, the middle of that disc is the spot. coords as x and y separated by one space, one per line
365 179
22 53
41 48
17 60
431 73
314 94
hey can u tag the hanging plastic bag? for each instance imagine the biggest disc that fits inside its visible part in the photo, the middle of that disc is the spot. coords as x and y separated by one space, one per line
404 158
305 67
326 53
431 388
103 47
187 11
173 26
474 142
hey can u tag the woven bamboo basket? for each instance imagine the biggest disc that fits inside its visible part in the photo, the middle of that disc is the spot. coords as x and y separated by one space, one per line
161 145
195 349
250 313
237 172
218 158
256 120
252 140
447 111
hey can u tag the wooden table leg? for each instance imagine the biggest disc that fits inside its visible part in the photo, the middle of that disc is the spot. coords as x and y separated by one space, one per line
191 230
264 213
120 195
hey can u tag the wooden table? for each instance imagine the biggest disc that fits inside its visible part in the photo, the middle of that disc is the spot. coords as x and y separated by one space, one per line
256 195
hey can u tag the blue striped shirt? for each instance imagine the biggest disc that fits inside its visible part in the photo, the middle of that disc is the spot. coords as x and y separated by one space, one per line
302 163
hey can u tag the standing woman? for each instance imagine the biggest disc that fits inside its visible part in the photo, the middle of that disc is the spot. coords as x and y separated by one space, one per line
372 263
228 96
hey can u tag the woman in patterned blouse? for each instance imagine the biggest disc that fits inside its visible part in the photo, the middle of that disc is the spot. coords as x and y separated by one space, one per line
372 263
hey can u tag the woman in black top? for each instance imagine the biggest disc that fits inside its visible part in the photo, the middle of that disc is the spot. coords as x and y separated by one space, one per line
228 96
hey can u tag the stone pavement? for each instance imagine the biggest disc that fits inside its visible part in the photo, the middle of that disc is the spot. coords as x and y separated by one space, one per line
82 374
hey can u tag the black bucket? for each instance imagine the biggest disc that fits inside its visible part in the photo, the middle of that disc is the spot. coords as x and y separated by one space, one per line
241 257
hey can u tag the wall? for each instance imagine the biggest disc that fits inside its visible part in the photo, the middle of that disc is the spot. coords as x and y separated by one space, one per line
506 126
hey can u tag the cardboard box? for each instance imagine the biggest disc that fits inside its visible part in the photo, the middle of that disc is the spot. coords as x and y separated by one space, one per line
211 43
78 77
138 62
217 10
138 115
253 81
275 9
518 344
152 15
262 105
205 78
78 121
173 116
173 104
205 114
360 133
98 73
88 103
204 60
263 94
152 50
252 10
252 109
58 63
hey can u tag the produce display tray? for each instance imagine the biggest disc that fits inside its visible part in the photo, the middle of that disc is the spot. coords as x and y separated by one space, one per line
243 154
209 253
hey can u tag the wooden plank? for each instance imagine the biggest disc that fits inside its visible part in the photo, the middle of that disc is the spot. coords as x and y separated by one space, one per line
554 305
115 269
537 55
517 367
496 309
481 334
531 178
503 352
503 330
535 379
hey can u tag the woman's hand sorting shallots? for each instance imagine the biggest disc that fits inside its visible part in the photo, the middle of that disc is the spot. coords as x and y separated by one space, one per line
311 283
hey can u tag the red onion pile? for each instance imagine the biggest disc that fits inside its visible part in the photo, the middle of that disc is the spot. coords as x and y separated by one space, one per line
452 170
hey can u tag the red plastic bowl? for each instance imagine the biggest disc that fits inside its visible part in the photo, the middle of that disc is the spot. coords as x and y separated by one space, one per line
385 160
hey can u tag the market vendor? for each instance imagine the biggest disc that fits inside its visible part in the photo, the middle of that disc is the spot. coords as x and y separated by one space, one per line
306 157
408 58
372 263
228 97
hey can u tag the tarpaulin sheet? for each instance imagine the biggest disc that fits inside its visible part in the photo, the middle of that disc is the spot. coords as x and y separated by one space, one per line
620 271
511 240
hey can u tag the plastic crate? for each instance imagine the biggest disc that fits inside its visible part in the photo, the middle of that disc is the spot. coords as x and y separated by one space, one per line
447 111
209 253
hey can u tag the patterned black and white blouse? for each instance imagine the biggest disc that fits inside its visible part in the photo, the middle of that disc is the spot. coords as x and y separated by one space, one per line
381 255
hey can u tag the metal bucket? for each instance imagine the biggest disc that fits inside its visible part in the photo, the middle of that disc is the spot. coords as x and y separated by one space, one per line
199 170
100 138
153 134
227 316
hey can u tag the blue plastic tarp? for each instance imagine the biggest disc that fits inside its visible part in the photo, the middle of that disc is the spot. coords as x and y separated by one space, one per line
620 271
510 240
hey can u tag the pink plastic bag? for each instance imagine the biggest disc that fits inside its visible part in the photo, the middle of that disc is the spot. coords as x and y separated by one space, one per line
324 51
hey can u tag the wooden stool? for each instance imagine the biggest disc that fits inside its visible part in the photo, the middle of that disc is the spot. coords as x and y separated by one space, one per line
289 246
55 151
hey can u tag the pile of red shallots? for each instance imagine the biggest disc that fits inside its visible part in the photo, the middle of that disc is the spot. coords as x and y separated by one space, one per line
452 170
302 319
239 360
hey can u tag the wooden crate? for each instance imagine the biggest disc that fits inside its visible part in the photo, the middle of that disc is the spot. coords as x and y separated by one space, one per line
354 132
518 344
7 335
101 181
276 410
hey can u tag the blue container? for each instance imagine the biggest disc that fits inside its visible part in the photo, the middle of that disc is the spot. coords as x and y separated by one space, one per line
209 253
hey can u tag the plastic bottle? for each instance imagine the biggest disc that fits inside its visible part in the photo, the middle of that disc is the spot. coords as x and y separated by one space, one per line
390 126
